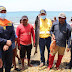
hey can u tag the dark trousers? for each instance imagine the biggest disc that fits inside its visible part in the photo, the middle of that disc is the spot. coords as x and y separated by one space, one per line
71 58
71 55
7 60
42 43
25 49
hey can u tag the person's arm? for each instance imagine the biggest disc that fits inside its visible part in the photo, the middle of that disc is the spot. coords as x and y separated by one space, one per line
18 35
12 38
52 29
3 41
68 38
16 40
52 32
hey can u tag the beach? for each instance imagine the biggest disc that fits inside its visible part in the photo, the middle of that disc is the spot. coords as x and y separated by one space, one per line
35 61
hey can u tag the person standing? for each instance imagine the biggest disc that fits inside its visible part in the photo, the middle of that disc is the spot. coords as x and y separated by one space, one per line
24 32
44 35
60 32
7 35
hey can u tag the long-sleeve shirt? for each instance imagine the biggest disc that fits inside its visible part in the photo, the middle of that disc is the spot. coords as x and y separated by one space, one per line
7 32
62 33
24 34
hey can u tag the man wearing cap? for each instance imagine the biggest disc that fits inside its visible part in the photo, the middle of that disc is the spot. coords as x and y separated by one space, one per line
44 35
7 36
24 32
60 32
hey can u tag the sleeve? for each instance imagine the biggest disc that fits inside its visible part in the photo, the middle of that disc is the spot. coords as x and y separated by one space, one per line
69 36
3 41
18 35
52 29
50 23
33 34
12 38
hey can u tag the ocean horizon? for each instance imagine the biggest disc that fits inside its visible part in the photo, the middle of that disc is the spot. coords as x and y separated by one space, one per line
16 16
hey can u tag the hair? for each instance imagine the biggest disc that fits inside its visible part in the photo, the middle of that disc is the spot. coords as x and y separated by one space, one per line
20 20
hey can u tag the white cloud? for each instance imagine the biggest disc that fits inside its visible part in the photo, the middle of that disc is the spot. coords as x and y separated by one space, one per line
36 5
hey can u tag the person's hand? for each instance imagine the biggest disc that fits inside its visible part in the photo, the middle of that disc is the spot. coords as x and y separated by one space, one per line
34 44
53 37
5 47
35 51
67 49
9 43
1 63
19 47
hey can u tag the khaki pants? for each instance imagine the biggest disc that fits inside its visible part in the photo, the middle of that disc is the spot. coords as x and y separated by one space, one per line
58 49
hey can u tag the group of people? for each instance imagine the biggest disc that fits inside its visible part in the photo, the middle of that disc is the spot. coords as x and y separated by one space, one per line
58 30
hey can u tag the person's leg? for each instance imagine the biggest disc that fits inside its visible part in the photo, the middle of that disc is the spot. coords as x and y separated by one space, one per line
8 60
28 54
61 51
42 49
51 58
14 63
70 64
19 61
48 42
22 55
71 57
18 57
1 69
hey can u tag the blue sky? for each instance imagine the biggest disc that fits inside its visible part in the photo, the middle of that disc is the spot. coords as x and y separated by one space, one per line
37 5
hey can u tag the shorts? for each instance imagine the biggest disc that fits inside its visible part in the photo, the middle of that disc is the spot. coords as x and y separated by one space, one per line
25 49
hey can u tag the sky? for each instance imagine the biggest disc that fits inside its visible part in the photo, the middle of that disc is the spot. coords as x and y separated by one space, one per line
37 5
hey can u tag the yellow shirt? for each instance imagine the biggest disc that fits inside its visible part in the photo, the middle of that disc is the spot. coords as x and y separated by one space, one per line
45 26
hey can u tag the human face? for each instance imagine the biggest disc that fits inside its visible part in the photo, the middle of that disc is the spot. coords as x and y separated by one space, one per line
43 16
25 22
62 20
3 14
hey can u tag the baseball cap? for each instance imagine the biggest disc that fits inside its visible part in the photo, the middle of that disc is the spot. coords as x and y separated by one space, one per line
62 15
42 11
2 8
24 17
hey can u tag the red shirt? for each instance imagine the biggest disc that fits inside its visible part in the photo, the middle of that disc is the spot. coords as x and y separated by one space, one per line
24 34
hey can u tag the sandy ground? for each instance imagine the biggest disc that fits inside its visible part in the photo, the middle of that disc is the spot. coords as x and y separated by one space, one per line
35 60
